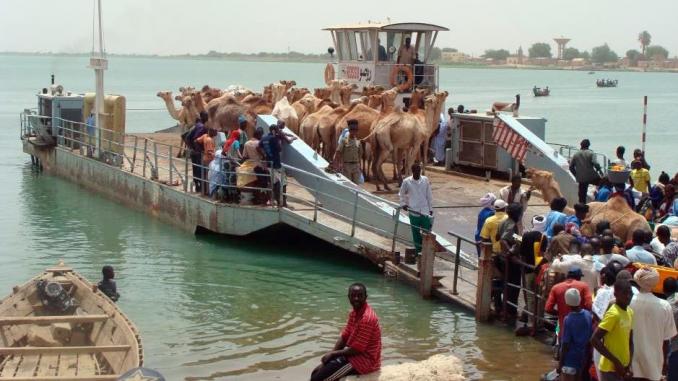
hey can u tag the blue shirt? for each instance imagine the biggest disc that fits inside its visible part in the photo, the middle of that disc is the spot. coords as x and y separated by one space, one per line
554 217
270 144
603 194
577 329
482 216
91 124
640 255
573 219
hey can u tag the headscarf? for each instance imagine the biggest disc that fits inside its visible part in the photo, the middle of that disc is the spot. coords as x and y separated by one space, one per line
646 278
234 136
572 297
538 223
488 200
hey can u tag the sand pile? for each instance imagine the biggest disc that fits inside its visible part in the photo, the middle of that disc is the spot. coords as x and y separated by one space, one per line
436 368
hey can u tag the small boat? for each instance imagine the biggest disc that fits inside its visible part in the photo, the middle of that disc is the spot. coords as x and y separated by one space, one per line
592 72
607 83
539 92
58 326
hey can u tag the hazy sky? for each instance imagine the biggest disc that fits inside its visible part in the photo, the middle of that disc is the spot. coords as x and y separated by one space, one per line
197 26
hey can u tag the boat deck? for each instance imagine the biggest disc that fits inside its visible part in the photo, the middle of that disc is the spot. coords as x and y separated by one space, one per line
161 184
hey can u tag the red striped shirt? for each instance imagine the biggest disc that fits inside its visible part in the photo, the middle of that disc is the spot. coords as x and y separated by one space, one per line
362 333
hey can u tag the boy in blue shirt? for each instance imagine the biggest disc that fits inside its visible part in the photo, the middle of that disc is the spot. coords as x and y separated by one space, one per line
577 329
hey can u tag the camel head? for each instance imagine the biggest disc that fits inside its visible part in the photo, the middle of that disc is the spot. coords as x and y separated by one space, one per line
388 98
418 95
372 90
321 93
345 93
308 101
442 97
374 101
361 100
545 183
186 90
165 95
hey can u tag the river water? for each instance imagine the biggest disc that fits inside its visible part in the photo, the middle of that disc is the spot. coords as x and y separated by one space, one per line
267 308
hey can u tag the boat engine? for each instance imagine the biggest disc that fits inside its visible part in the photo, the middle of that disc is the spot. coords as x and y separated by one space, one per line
54 296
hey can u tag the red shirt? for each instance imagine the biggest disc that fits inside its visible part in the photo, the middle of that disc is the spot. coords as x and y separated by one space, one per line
362 333
557 298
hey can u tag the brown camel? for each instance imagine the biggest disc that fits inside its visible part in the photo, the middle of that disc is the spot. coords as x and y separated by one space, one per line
185 115
224 112
304 107
623 220
309 126
295 94
394 134
366 116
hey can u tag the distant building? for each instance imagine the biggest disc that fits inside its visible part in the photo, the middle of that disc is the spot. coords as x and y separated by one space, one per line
456 57
579 62
517 59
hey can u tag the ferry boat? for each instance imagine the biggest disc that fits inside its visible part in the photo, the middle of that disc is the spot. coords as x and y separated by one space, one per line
367 55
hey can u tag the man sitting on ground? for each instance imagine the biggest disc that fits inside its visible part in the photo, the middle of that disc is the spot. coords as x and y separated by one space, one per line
358 349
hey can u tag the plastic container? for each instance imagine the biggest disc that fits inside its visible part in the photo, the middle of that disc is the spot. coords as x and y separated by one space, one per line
618 177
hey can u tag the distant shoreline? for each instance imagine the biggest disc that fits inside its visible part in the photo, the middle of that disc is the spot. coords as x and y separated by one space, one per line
294 57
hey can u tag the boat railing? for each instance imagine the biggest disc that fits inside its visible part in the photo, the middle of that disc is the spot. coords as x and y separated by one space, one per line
352 208
425 76
140 155
568 151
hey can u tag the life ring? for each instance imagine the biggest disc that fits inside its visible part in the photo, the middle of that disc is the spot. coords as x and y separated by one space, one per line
407 71
329 73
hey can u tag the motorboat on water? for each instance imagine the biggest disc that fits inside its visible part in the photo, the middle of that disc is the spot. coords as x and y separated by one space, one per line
539 92
607 83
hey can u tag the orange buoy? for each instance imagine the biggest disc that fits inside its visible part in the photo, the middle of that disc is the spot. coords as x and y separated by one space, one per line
405 70
329 73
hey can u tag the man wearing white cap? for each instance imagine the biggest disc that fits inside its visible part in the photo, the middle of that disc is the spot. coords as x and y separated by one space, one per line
653 326
489 231
577 329
487 204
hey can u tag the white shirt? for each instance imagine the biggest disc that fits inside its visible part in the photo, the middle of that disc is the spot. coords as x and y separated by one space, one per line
519 197
657 246
652 324
416 194
585 264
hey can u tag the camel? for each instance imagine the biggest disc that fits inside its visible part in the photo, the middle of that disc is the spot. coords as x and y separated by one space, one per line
366 115
372 90
623 220
295 94
309 126
185 116
257 104
395 133
209 93
285 112
326 131
224 112
304 107
509 107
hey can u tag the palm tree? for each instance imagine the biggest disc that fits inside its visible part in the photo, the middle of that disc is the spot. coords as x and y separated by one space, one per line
644 38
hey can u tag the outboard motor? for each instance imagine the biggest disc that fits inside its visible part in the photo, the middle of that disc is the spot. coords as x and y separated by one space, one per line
54 297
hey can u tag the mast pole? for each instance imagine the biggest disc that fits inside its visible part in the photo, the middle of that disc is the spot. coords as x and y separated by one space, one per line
99 63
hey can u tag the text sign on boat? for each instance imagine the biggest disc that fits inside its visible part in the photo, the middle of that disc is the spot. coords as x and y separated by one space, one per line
359 73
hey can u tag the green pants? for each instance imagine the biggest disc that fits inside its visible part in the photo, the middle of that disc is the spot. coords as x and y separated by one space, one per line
417 222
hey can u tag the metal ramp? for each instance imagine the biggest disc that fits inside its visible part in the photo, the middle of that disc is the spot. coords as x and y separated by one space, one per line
542 156
331 195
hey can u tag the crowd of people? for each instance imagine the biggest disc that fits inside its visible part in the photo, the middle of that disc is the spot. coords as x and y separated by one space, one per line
615 299
216 158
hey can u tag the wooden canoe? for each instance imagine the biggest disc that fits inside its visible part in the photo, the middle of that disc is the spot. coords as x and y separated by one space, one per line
81 336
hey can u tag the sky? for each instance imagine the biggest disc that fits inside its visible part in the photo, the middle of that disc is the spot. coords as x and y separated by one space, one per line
198 26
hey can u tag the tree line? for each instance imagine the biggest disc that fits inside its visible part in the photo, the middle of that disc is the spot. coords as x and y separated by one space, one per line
600 54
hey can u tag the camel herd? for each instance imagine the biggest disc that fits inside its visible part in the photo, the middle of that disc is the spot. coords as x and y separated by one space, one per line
319 118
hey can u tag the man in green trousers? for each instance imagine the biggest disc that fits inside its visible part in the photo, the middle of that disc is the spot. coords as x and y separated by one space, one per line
417 199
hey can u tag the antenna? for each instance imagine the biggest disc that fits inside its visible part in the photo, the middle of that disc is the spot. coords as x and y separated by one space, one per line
99 63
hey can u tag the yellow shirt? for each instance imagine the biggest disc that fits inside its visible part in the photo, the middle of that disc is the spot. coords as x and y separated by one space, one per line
489 230
617 323
641 179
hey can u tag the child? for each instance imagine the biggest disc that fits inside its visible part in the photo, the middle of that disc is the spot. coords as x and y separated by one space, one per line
576 334
107 285
616 330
